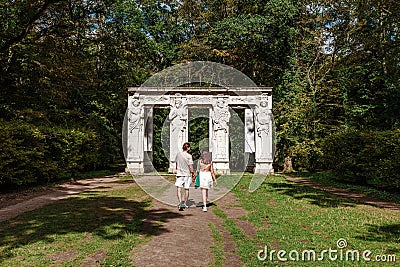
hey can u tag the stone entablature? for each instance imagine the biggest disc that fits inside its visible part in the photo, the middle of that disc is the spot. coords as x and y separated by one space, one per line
256 100
202 96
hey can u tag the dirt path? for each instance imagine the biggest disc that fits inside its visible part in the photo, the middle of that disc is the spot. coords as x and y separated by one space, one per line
14 204
186 243
188 240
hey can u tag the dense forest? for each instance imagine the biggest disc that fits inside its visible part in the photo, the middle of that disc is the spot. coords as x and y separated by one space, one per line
66 65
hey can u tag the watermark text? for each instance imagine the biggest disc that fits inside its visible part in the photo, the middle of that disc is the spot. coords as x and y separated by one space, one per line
337 254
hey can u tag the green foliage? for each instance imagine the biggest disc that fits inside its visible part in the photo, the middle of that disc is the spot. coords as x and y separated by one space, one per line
198 131
237 141
23 155
341 154
256 37
306 155
365 157
37 155
161 139
66 78
74 150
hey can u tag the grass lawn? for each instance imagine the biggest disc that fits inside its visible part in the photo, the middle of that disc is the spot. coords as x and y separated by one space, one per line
93 226
299 220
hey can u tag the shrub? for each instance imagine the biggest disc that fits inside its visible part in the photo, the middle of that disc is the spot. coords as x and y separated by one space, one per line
364 157
306 156
381 159
23 155
74 150
36 155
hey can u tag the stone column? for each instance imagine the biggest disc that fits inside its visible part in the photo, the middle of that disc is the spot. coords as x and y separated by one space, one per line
249 146
148 140
220 135
135 153
178 118
263 137
210 130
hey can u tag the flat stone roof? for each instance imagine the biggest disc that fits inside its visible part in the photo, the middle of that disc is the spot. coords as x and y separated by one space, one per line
201 90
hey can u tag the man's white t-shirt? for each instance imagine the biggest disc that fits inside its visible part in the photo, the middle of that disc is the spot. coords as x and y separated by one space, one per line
183 160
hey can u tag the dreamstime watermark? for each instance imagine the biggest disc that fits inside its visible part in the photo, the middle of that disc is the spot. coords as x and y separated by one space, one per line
340 253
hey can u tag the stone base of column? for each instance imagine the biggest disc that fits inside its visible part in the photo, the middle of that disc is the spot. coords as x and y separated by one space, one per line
264 168
221 168
134 167
172 168
250 162
148 161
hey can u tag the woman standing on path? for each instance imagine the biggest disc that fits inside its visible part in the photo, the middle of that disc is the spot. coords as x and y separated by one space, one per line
207 176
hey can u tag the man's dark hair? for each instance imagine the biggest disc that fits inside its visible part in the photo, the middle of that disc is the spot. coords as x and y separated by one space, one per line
186 146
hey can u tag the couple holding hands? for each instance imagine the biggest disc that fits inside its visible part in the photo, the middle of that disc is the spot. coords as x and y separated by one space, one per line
185 175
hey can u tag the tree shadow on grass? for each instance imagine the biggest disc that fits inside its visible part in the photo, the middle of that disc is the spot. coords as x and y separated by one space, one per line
382 233
315 196
107 218
386 233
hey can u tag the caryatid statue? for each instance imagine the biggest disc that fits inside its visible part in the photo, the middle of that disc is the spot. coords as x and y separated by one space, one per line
136 113
220 122
263 129
135 128
178 117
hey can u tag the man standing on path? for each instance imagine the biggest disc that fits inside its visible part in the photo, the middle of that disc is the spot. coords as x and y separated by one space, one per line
184 174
